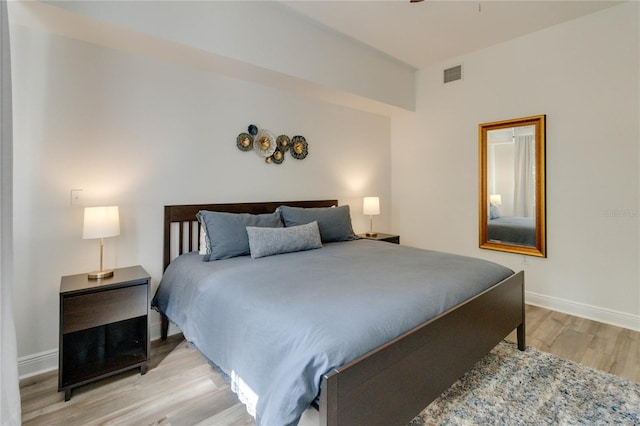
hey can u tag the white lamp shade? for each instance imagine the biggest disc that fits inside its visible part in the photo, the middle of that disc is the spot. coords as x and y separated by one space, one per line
371 205
101 222
495 199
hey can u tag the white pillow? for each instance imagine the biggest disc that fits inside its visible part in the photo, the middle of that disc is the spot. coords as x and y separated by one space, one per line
203 245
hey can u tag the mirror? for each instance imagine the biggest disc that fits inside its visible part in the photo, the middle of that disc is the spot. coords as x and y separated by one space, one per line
512 186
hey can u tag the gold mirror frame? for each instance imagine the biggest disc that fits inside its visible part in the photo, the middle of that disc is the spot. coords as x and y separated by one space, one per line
538 249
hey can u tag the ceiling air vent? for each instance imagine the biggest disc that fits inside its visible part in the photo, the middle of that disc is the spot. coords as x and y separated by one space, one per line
453 74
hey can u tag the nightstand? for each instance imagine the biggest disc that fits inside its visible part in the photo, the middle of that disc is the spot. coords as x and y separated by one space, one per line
104 327
389 238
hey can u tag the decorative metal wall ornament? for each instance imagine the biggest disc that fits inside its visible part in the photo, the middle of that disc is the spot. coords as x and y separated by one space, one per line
299 147
278 156
265 143
244 142
283 142
272 149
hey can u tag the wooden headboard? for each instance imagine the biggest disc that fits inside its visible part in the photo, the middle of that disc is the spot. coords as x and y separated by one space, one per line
183 217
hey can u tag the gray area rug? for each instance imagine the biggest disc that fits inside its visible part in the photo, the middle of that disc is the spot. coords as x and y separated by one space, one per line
510 387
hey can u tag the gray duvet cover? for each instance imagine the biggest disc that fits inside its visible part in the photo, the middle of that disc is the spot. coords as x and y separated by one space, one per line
513 230
278 323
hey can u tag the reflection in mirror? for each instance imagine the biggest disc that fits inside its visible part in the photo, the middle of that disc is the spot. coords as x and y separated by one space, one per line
512 186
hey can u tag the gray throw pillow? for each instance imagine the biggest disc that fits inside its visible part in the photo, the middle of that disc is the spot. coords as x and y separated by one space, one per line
269 241
494 212
334 222
227 232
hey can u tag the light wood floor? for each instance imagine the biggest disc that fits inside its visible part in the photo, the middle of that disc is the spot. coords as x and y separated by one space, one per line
182 389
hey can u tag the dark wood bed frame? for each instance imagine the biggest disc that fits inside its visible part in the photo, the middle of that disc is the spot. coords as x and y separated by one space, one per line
393 383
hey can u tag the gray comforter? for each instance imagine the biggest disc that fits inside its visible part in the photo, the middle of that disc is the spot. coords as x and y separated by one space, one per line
281 322
513 230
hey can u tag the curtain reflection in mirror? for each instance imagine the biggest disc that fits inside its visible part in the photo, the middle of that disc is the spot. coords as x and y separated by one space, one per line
524 191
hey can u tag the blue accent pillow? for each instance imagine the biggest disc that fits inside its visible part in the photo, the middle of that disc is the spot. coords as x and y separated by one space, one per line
269 241
494 212
334 222
227 232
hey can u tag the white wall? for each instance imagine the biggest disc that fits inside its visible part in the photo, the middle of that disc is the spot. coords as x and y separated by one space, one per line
584 76
141 134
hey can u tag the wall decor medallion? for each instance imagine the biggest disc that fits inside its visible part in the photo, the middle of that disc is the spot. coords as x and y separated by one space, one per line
244 142
283 142
272 149
299 147
265 143
278 156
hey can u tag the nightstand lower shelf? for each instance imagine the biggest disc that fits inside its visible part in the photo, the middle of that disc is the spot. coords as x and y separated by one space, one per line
101 351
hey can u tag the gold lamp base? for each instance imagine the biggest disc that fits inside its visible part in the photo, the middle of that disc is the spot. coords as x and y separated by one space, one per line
371 233
98 275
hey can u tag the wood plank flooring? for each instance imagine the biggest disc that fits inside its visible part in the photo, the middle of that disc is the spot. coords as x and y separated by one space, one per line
180 388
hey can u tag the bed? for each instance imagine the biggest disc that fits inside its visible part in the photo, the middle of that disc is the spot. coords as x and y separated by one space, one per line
513 230
390 382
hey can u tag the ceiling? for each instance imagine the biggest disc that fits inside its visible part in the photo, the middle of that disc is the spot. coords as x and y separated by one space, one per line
421 34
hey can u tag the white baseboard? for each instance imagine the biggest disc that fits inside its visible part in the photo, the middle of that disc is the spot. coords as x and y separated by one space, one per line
42 362
582 310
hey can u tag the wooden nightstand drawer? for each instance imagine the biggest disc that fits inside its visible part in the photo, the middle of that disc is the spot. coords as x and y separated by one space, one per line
104 307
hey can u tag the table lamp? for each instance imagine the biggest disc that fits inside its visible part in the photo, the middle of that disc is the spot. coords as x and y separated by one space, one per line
101 222
371 206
